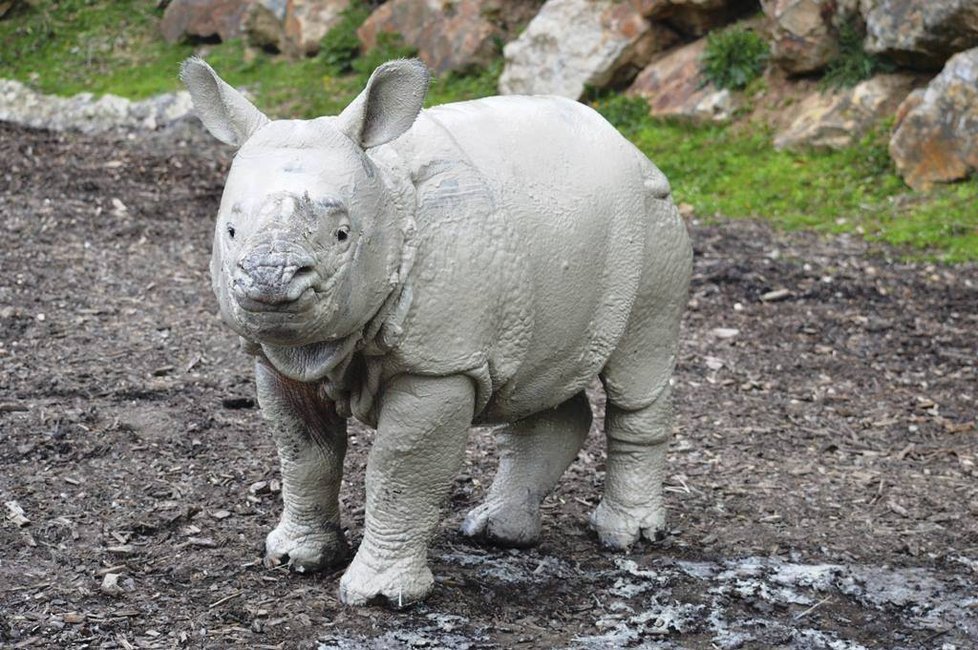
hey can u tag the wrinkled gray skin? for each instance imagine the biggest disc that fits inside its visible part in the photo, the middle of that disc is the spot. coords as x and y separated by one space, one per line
479 262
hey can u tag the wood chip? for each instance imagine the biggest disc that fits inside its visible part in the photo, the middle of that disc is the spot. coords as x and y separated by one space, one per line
725 332
776 295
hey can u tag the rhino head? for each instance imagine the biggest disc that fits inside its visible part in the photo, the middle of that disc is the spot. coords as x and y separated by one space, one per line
310 230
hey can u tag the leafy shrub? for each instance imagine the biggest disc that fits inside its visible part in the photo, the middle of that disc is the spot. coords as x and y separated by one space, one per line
733 58
852 64
340 46
627 114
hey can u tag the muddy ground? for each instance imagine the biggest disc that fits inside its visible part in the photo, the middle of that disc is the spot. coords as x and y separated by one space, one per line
823 491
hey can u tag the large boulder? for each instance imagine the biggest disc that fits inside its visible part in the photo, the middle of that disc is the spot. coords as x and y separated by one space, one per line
571 44
674 87
223 19
936 137
695 17
449 34
921 34
803 38
307 21
263 24
839 119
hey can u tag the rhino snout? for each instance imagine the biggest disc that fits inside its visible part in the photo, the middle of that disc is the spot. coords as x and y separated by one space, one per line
270 277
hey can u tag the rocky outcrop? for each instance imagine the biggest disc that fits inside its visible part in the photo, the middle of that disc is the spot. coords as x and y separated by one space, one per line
21 105
803 38
837 120
674 87
203 19
307 21
449 34
263 25
935 139
921 34
571 44
695 17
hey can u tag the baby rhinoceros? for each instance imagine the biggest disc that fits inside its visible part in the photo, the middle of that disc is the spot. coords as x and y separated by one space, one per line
426 270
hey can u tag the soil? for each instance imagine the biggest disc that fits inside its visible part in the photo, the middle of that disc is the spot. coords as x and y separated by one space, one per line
823 488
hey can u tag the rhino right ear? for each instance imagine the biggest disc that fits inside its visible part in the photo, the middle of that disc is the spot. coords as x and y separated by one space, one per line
224 111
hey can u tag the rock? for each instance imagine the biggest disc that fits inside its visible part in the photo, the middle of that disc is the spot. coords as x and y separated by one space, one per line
571 44
85 113
695 17
203 19
802 37
110 585
674 87
263 24
936 141
921 34
307 21
839 119
449 34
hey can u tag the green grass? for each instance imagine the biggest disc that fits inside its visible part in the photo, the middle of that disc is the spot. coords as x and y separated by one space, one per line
72 46
734 171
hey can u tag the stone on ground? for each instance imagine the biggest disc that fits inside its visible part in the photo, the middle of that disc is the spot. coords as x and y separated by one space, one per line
307 21
695 17
934 140
839 119
921 34
450 35
674 87
571 44
223 19
802 37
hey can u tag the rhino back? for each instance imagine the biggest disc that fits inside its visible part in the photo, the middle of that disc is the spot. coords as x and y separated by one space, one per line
532 225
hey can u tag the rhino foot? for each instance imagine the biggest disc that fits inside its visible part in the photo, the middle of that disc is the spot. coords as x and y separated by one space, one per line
304 549
516 525
399 584
618 527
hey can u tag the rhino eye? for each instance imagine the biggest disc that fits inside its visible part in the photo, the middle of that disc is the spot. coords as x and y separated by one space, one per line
342 233
231 231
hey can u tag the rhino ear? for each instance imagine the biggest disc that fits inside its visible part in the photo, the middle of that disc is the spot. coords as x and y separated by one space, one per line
389 104
224 111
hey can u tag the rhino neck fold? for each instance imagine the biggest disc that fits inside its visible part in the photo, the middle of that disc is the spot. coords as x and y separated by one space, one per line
313 362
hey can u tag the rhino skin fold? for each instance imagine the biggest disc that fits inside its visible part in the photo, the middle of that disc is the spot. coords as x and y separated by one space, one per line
479 262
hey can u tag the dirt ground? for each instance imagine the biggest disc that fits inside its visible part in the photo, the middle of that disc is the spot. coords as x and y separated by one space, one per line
823 489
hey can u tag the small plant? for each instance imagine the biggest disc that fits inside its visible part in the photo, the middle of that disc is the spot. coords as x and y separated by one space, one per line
627 114
853 63
733 58
340 46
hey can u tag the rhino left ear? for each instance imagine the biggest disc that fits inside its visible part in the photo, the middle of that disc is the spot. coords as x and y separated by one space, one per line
389 104
224 111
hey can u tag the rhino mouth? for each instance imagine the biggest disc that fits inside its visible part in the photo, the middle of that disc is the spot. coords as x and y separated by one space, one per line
270 303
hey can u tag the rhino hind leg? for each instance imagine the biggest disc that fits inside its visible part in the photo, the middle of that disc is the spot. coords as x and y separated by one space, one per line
638 418
311 442
533 454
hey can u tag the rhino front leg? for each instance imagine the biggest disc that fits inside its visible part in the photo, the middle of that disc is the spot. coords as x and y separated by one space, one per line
420 444
311 442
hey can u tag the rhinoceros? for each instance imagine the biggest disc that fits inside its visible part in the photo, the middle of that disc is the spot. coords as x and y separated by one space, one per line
479 262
